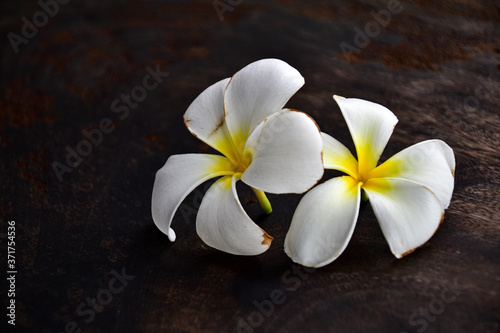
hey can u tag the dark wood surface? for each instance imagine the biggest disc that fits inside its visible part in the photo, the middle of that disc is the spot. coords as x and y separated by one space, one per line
436 65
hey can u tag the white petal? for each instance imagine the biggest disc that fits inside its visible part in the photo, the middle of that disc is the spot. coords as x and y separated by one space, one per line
408 212
324 222
430 163
285 154
206 120
223 224
336 156
177 178
371 126
255 92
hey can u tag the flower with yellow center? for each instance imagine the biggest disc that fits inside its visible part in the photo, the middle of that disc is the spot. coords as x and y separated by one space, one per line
269 148
408 192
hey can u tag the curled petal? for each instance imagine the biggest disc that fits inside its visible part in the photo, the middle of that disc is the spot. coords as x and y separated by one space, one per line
324 222
371 125
430 163
285 154
336 156
205 119
408 212
255 92
177 178
223 224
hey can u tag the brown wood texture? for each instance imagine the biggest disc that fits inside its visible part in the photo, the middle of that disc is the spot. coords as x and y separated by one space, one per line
435 64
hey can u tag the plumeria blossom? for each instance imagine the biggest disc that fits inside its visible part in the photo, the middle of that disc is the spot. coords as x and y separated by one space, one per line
408 192
269 148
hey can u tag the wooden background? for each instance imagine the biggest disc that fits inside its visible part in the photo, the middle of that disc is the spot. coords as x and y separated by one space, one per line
436 65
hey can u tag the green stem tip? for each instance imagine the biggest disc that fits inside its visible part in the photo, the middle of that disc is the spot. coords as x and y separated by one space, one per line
364 197
263 201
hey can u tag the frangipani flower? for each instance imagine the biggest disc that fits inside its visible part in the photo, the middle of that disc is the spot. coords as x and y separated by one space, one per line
269 148
408 192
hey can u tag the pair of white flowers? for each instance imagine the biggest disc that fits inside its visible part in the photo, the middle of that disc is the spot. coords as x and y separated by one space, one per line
278 150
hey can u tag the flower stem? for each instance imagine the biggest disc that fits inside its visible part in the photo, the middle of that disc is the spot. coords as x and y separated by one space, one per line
364 197
263 200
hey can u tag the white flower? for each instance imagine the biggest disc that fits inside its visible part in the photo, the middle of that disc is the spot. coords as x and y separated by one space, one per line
408 192
269 148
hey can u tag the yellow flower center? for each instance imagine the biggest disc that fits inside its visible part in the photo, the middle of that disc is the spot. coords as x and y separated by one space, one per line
233 148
